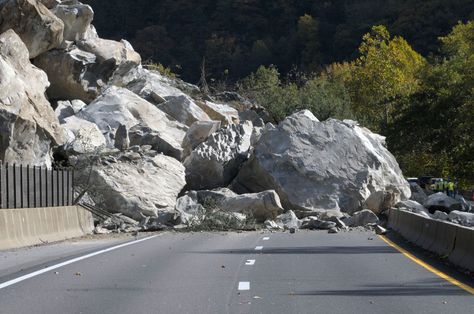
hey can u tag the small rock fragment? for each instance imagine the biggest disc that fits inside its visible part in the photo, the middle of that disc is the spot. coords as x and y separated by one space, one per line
380 230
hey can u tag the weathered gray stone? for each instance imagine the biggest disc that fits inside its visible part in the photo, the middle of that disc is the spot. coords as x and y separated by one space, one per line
37 27
50 3
162 141
362 218
184 110
262 206
339 223
314 223
442 202
28 124
440 215
82 136
122 141
462 218
77 18
272 225
220 112
150 85
413 206
147 125
380 201
198 132
417 193
288 220
65 109
82 72
316 166
148 187
74 74
188 207
119 54
217 161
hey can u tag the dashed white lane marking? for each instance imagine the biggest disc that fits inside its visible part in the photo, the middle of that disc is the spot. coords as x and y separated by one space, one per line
266 238
250 262
77 259
258 248
244 285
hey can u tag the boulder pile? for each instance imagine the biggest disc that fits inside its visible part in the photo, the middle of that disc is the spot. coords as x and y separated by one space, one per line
158 152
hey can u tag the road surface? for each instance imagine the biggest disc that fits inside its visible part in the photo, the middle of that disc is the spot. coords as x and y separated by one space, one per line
306 272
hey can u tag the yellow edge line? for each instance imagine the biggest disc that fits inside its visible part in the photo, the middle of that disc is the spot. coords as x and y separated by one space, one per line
429 267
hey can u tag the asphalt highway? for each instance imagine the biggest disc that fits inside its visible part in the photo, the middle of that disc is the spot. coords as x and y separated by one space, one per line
306 272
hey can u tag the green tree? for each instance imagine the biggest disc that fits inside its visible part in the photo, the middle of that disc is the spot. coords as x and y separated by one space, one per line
308 40
385 72
438 123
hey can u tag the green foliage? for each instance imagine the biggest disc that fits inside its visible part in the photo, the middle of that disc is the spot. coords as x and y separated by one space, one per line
439 121
325 94
160 68
385 72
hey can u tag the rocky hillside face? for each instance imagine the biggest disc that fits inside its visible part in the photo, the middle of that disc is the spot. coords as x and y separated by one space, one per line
156 149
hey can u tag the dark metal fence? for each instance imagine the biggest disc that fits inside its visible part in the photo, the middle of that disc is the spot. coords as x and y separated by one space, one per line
30 186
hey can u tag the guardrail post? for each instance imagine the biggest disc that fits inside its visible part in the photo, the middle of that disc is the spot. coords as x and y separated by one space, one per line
14 185
21 187
35 187
7 181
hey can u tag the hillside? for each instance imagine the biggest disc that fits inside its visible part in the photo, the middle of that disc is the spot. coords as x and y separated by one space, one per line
238 36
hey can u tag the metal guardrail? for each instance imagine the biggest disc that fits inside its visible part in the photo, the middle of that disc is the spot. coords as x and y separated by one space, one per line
31 186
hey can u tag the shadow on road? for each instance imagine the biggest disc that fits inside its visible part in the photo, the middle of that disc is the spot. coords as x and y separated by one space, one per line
382 249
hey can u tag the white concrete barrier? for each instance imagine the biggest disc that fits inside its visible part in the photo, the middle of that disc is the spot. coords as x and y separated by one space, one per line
30 226
444 238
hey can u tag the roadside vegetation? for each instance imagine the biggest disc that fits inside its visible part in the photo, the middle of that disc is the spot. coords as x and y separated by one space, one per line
423 105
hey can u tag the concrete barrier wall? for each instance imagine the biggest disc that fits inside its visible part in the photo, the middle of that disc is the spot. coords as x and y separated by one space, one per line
30 226
446 239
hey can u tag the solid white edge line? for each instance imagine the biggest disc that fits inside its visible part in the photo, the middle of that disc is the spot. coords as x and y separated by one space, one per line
244 285
258 248
250 262
77 259
266 238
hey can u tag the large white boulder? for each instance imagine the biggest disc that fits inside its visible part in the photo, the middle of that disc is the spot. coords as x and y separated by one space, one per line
417 193
77 18
144 188
288 220
262 206
462 218
442 202
414 207
82 136
316 166
221 112
119 54
184 110
150 85
83 71
28 124
66 108
119 106
380 201
37 27
197 133
362 218
73 73
215 162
